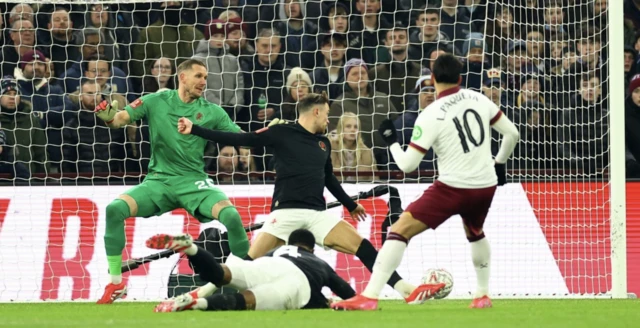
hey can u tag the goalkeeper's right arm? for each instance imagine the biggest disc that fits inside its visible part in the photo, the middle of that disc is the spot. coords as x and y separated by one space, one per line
110 114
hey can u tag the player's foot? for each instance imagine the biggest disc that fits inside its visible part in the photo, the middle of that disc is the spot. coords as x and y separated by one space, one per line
113 292
180 303
356 303
423 293
481 303
177 243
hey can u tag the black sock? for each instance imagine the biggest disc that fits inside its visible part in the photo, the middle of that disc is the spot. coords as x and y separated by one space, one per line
226 302
206 265
367 255
247 258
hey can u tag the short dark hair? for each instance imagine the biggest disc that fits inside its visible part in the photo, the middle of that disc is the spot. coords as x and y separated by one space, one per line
432 11
85 63
446 69
302 237
337 38
188 64
311 100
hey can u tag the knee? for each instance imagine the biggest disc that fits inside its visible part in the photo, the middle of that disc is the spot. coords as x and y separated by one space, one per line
117 210
407 226
229 216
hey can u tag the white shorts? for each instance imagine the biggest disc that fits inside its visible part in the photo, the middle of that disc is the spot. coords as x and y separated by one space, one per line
281 223
276 282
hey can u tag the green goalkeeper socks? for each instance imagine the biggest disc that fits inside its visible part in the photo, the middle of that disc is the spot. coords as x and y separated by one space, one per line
238 241
114 236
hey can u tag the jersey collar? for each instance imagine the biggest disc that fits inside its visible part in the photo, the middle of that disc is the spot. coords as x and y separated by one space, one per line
448 92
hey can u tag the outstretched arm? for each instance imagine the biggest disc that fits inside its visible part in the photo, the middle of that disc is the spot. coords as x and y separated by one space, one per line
334 187
340 287
262 139
420 144
111 115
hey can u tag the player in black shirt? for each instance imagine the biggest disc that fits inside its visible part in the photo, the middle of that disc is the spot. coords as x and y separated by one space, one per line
303 168
286 278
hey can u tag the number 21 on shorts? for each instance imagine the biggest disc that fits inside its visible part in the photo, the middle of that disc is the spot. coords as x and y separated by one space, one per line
205 184
464 130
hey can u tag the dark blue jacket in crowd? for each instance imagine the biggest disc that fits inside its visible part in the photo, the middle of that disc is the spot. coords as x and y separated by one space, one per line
404 126
119 81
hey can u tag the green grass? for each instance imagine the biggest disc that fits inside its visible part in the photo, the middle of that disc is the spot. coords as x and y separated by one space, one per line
506 313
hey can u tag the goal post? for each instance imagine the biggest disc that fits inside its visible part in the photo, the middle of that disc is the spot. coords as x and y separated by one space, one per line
618 221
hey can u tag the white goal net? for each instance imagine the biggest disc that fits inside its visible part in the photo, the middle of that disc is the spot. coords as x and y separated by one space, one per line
545 63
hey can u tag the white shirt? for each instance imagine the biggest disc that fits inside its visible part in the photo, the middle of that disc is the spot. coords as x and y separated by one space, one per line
458 127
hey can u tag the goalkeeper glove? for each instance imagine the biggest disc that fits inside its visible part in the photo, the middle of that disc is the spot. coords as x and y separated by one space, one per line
107 112
501 172
277 121
388 132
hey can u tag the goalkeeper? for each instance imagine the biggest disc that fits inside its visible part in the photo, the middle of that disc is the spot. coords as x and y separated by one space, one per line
176 176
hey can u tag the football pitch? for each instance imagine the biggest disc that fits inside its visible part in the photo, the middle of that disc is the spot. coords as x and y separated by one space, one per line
447 313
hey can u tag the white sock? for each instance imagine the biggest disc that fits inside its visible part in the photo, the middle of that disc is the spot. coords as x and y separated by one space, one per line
404 288
387 261
201 304
206 290
116 279
192 250
481 256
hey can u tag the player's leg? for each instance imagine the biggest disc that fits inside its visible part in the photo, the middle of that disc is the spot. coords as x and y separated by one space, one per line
344 238
473 220
207 203
140 201
275 231
437 204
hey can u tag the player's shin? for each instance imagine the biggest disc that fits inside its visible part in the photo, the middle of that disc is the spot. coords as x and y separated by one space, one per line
222 302
387 262
209 269
114 238
238 240
367 255
481 256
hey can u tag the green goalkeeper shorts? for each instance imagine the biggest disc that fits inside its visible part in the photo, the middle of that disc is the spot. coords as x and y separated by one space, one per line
159 195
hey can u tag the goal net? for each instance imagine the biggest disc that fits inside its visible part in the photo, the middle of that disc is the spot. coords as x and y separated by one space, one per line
544 63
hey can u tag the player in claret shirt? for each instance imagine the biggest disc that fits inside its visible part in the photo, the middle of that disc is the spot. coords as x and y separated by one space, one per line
286 278
303 169
458 127
176 176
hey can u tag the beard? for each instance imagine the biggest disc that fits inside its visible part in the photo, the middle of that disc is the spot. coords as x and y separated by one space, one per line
398 51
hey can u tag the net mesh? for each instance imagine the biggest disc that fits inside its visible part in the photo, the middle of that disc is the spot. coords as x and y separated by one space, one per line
543 62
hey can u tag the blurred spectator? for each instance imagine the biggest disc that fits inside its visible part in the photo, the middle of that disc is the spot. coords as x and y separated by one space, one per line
59 41
8 164
298 86
2 30
264 81
348 151
335 20
427 37
476 10
630 66
474 63
159 74
90 145
225 83
500 31
298 35
166 37
536 49
22 129
372 107
367 28
586 137
406 121
226 163
454 22
554 22
397 77
537 148
118 30
236 41
531 89
554 57
101 70
632 126
246 162
492 87
589 46
22 40
328 75
92 42
21 11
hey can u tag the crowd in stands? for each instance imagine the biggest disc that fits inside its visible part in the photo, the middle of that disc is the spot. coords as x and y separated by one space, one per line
544 63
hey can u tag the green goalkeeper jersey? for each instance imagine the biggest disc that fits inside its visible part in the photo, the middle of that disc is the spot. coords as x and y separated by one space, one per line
172 153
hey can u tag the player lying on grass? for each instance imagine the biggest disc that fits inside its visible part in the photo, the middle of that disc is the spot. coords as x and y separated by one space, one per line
458 127
303 168
176 176
286 278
